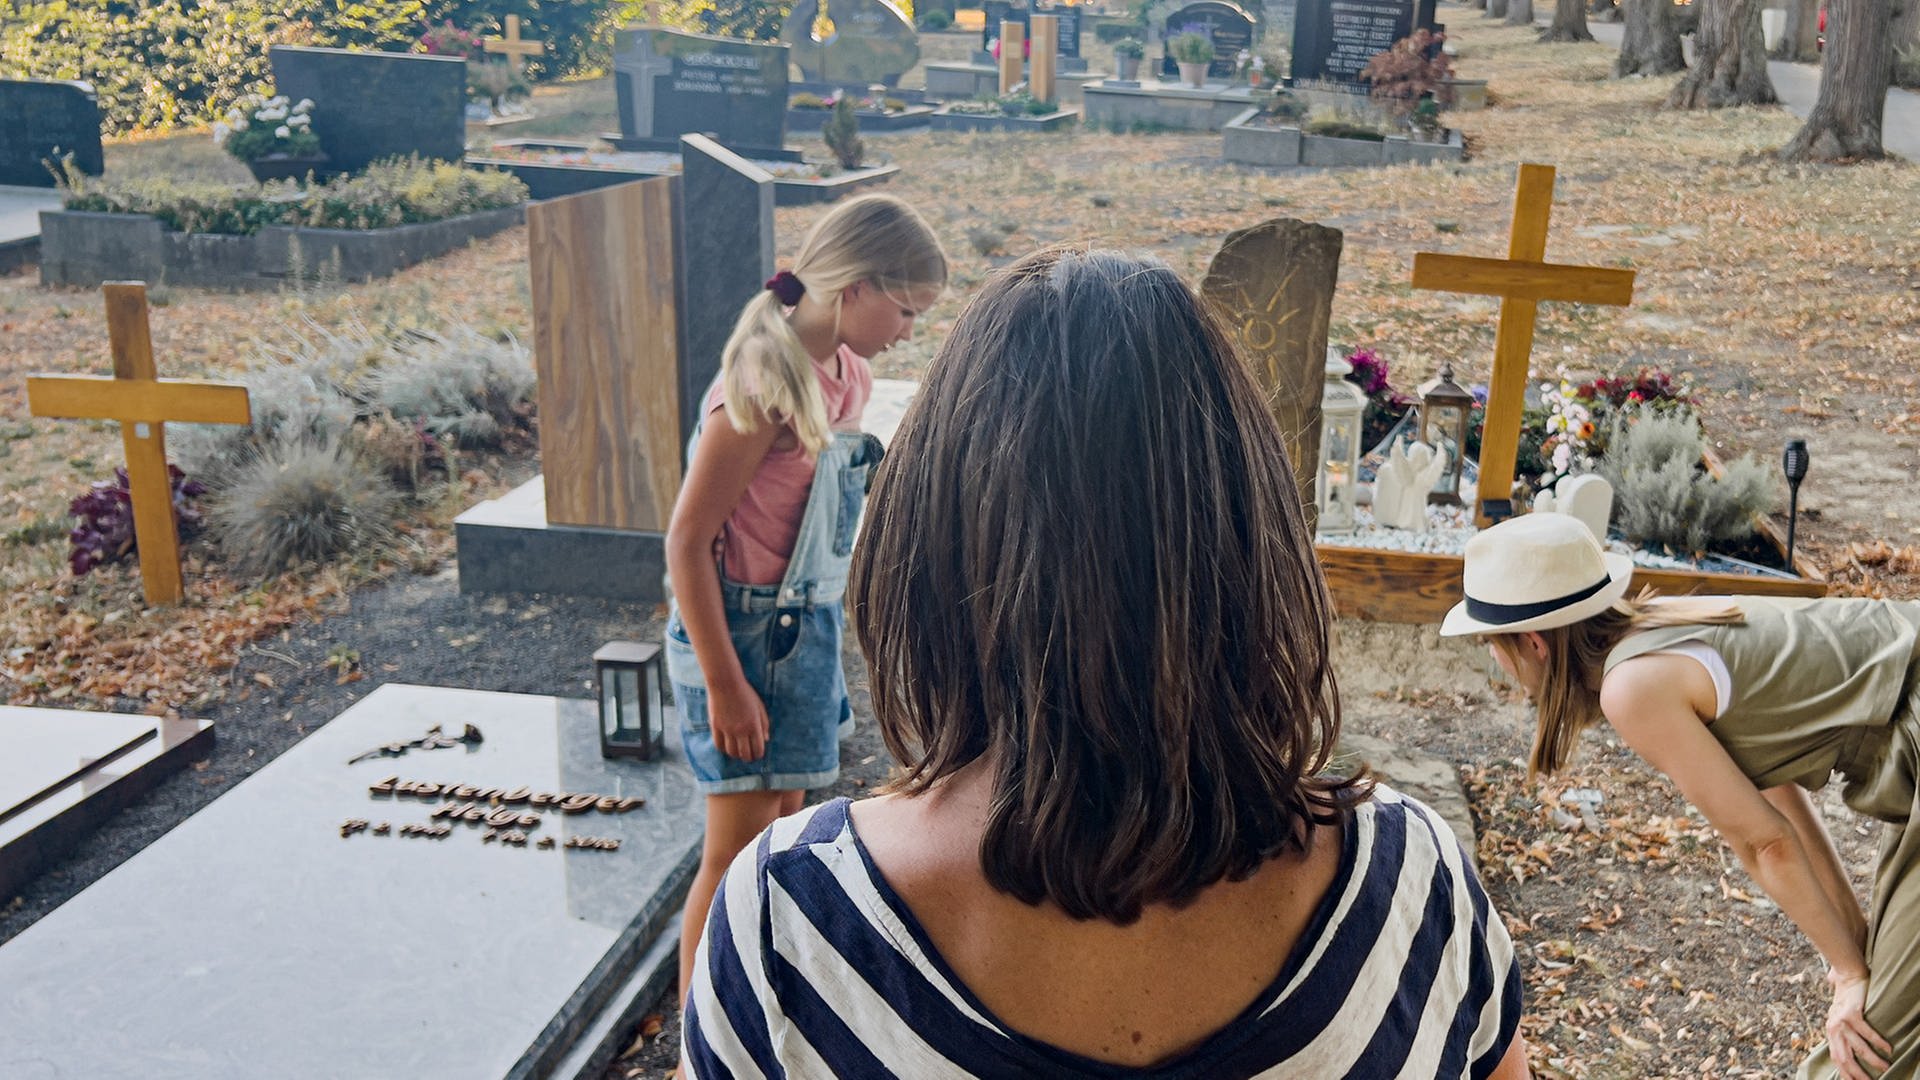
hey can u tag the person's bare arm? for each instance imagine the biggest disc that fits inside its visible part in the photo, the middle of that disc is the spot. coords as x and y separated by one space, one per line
1642 701
723 465
1514 1065
1795 804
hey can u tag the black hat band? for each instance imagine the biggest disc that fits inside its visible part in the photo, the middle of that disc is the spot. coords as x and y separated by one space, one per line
1500 614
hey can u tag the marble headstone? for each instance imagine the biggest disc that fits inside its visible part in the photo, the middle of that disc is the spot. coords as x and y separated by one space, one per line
63 771
1272 286
726 256
1230 26
42 122
1401 485
368 106
871 41
304 925
671 84
1588 498
1334 39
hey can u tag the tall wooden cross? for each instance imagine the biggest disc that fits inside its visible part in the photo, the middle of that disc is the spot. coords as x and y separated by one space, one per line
1522 280
142 403
516 49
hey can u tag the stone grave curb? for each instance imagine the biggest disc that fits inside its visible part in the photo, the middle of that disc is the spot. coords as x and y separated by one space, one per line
1161 106
17 255
546 181
807 192
84 248
1055 121
1246 144
964 82
913 116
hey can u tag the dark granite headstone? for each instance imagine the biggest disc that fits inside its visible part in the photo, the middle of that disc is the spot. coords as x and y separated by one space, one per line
872 41
373 105
46 121
998 11
1272 285
672 84
726 256
265 936
1228 24
1334 39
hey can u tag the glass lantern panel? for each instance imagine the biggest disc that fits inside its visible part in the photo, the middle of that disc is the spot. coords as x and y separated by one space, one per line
1443 434
629 701
609 700
654 714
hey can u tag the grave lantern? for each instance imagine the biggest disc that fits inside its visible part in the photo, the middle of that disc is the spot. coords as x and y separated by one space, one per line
626 676
1446 408
1341 407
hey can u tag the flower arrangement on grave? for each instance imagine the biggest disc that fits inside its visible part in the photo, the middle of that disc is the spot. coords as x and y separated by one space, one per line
494 83
875 102
449 40
1570 431
1414 70
1026 48
1385 405
1013 103
1192 45
259 127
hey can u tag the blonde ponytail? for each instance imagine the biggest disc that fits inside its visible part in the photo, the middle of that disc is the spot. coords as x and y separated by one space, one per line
765 372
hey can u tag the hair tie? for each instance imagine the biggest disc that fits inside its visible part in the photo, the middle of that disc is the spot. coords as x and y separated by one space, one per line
786 288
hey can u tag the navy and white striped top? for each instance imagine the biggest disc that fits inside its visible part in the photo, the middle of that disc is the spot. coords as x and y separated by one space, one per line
813 967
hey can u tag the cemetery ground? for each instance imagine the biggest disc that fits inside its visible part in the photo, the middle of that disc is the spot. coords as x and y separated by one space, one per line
1790 295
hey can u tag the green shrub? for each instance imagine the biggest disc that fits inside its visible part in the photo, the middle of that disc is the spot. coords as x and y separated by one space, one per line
1663 494
1129 46
936 20
842 135
805 100
1191 47
1343 129
1023 103
458 384
388 193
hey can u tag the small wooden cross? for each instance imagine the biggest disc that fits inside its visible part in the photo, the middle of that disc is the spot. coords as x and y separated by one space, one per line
516 50
142 403
1521 280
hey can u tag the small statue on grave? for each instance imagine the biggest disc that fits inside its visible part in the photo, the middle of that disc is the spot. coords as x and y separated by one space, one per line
1400 487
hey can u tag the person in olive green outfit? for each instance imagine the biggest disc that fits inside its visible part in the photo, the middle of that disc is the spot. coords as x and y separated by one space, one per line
1747 703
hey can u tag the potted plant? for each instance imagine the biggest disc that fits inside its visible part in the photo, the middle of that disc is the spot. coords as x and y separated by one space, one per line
1126 58
1192 49
274 137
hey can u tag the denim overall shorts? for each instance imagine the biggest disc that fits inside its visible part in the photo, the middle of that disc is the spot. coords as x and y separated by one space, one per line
788 639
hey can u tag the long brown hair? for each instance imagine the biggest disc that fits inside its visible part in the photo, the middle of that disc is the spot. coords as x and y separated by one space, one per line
1569 699
1085 562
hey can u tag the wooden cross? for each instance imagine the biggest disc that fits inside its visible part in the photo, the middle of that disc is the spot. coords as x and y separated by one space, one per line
517 50
142 403
1521 280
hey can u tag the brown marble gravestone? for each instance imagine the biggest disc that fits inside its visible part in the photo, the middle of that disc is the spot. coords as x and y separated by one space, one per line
1272 286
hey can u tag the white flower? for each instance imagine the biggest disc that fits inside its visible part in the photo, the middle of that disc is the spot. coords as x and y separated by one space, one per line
220 133
299 121
239 123
1562 457
278 100
282 131
306 105
270 114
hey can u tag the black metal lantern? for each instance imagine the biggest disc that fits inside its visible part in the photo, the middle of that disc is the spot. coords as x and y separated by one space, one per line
627 676
1446 408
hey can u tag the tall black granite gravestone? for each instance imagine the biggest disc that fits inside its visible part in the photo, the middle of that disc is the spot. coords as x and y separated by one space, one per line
42 122
726 256
672 84
1229 26
1334 39
872 41
373 105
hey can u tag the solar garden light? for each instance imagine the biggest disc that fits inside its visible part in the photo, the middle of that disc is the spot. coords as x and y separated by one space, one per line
626 675
1794 463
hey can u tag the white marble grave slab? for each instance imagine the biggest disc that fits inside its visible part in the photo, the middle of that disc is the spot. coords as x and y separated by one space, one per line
44 749
255 940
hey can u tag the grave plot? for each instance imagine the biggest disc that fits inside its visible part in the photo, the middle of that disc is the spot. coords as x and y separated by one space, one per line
670 84
1032 105
463 911
980 77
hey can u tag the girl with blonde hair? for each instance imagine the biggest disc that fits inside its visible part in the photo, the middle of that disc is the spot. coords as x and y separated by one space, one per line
758 547
1747 703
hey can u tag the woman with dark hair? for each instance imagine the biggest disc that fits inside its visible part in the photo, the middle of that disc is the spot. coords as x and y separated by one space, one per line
1099 647
1747 704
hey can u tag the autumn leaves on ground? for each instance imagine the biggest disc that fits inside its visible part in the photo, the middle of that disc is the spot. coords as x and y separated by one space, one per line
1790 295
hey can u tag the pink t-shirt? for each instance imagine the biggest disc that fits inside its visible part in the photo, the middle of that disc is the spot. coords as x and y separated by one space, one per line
758 538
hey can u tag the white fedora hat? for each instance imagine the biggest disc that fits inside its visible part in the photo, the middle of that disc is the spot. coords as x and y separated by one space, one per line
1535 573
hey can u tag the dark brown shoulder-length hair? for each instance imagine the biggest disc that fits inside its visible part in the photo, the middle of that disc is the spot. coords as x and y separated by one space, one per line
1085 561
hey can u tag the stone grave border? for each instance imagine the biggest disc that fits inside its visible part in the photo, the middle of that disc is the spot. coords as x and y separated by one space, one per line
555 180
948 81
1245 143
871 122
1058 120
1150 105
84 248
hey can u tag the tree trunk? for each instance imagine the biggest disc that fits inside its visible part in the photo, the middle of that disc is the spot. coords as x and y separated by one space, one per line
1845 122
1476 5
1799 41
1496 9
1729 59
1906 44
1569 22
1652 42
1519 12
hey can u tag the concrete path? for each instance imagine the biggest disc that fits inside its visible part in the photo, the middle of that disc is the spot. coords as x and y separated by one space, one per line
1799 85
